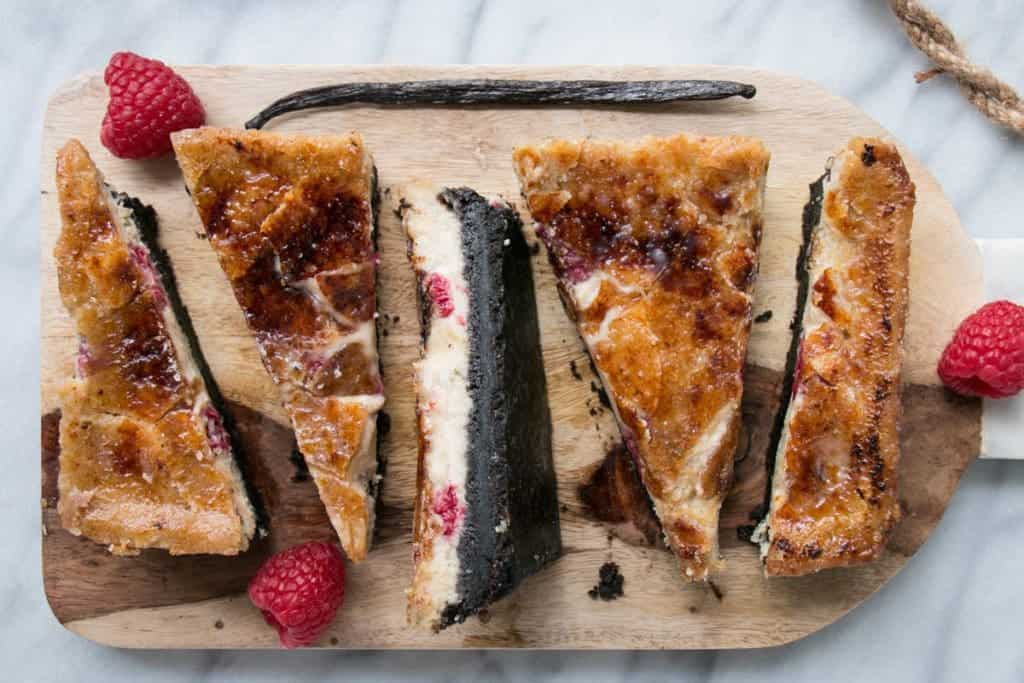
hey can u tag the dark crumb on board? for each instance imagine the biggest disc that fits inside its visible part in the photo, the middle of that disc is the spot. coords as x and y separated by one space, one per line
218 624
715 590
763 317
402 206
692 609
593 412
387 191
602 395
745 532
384 332
868 156
301 470
383 423
484 616
334 640
564 508
575 371
200 235
609 586
396 319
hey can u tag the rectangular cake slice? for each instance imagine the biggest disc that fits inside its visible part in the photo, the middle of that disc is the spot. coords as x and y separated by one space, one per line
291 218
145 461
486 512
834 488
655 247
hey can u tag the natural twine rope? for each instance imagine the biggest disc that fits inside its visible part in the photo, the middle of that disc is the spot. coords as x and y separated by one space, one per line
997 100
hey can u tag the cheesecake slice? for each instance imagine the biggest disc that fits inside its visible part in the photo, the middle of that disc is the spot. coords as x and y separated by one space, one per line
655 247
486 512
834 489
291 218
145 460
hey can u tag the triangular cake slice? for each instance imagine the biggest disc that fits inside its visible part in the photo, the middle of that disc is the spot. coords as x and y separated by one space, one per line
655 247
486 514
834 498
291 218
145 461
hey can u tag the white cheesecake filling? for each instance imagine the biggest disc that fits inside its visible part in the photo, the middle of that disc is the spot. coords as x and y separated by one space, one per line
444 403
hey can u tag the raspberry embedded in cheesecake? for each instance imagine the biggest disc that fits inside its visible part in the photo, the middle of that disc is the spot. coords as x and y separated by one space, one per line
486 512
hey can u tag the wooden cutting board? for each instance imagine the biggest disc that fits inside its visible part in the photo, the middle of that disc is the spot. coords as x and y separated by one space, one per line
158 601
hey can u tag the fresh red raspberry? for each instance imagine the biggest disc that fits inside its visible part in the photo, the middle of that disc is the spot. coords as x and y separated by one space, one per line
299 590
986 356
148 102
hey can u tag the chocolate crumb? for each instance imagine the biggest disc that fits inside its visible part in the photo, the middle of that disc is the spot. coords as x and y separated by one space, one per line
383 423
602 395
402 206
218 624
396 320
763 317
484 616
715 590
334 640
609 586
301 470
384 332
868 156
575 371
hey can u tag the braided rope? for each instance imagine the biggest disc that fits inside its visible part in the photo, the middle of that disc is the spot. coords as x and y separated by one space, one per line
996 100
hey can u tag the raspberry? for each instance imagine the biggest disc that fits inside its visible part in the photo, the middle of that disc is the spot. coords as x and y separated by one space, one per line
299 590
148 102
440 291
986 356
446 506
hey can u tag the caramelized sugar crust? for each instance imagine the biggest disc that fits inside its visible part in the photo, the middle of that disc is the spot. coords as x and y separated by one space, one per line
136 465
655 245
834 500
290 219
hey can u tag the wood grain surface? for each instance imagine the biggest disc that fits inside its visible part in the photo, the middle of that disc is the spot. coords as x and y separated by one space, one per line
155 600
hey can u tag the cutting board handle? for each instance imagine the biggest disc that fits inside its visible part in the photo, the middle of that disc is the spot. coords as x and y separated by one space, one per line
1002 421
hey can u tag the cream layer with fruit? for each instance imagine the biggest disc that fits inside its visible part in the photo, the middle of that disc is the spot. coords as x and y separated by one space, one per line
486 510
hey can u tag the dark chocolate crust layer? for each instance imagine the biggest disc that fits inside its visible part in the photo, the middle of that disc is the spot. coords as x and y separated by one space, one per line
511 523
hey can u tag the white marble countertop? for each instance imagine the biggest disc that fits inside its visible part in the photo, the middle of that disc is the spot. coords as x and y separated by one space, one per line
952 614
